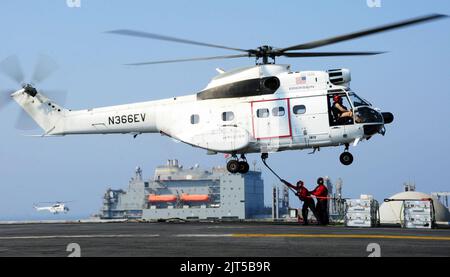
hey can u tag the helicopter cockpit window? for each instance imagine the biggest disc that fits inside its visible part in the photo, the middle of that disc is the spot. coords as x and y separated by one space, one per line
368 115
227 116
340 111
356 100
195 119
278 111
262 113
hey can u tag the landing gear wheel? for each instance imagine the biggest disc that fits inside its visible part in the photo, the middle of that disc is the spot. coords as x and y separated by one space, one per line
243 167
346 158
233 166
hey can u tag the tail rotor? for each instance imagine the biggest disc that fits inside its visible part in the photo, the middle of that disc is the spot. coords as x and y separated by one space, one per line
11 68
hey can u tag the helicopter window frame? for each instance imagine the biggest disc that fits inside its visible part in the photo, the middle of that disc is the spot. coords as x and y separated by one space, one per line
262 113
228 116
195 119
356 100
278 111
299 109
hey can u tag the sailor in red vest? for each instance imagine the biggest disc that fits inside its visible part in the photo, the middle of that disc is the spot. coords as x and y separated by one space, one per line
321 194
304 195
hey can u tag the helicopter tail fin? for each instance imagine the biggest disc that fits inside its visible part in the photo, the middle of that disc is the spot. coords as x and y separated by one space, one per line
47 114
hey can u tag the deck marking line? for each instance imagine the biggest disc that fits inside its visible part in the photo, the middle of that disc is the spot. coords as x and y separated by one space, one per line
79 236
203 235
342 236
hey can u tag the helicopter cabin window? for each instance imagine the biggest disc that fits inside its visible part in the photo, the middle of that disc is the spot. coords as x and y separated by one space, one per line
195 119
227 116
278 111
299 109
262 113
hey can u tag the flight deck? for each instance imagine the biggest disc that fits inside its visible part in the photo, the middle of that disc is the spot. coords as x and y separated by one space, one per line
224 239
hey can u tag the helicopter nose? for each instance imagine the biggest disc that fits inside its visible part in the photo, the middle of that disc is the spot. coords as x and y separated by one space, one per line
388 117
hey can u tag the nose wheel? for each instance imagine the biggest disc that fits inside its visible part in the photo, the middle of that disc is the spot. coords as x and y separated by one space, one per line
346 157
238 166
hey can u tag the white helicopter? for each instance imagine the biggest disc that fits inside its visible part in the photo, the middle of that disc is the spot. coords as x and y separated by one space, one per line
55 208
258 109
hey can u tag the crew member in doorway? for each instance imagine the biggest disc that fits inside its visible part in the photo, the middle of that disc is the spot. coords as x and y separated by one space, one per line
304 195
339 110
321 194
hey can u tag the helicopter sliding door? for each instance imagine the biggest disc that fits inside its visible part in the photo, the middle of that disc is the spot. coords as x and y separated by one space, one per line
270 119
309 121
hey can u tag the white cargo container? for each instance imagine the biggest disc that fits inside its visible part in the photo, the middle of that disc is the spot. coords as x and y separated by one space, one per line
418 214
362 212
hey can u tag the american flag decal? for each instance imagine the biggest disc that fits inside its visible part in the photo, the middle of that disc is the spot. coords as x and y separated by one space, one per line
300 80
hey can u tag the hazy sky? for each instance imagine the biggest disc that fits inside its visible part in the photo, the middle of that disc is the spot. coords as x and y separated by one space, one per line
409 81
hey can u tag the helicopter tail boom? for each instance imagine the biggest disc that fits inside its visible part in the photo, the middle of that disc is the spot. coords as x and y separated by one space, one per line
40 108
58 121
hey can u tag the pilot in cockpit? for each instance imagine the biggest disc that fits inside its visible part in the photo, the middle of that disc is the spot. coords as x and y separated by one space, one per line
339 110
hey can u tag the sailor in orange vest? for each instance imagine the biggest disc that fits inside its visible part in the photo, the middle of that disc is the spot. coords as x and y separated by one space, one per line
304 195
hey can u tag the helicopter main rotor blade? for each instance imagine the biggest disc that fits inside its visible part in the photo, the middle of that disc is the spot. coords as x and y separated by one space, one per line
193 59
45 66
327 54
350 36
12 69
141 34
55 202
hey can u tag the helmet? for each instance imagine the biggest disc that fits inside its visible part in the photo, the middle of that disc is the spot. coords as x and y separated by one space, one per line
300 183
337 98
320 181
